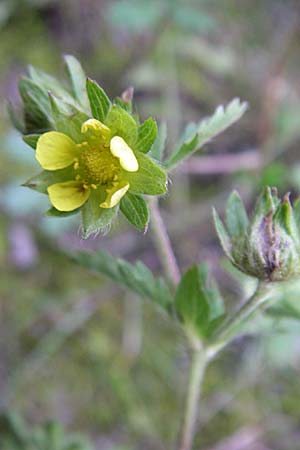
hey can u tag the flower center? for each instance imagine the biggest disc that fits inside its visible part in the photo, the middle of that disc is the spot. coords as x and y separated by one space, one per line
96 164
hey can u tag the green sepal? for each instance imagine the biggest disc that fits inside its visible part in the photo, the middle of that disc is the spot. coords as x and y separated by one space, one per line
285 218
78 81
53 212
49 83
46 178
31 140
296 208
127 106
99 102
147 133
158 147
30 91
222 234
35 117
122 124
94 218
135 209
150 179
266 204
236 218
16 118
67 119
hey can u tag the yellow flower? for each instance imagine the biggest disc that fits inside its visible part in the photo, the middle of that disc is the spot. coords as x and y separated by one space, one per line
100 162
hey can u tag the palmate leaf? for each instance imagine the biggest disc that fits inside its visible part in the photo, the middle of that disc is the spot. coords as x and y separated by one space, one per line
207 129
136 277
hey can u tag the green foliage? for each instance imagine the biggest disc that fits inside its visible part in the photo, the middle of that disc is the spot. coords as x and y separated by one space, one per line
121 123
135 210
16 435
135 277
199 304
100 103
147 134
31 140
95 219
78 80
196 136
158 147
151 179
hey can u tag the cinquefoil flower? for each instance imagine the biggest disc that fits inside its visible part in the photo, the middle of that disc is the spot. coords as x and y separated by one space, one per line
93 151
101 162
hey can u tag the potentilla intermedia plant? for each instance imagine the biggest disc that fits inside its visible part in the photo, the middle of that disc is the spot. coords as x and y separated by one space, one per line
99 159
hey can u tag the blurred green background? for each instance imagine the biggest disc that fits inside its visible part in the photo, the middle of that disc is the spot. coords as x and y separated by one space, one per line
73 347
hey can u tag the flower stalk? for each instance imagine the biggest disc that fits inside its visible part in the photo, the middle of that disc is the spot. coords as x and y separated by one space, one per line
163 244
197 371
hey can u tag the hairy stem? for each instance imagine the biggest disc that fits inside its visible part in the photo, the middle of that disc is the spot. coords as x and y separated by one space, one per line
227 331
163 244
197 371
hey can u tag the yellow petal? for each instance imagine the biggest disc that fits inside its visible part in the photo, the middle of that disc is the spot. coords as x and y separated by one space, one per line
69 195
55 150
121 150
96 127
114 195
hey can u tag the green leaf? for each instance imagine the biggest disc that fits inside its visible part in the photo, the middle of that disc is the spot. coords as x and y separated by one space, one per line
135 210
31 140
15 118
190 301
121 123
198 301
36 114
206 130
150 179
136 277
94 218
67 119
147 133
30 90
43 180
236 216
222 234
78 80
99 102
158 147
48 83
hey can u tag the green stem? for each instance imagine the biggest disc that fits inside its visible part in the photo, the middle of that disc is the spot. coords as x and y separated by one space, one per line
227 331
163 244
197 371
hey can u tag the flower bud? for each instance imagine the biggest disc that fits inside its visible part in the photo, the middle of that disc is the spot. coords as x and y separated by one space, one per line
268 246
